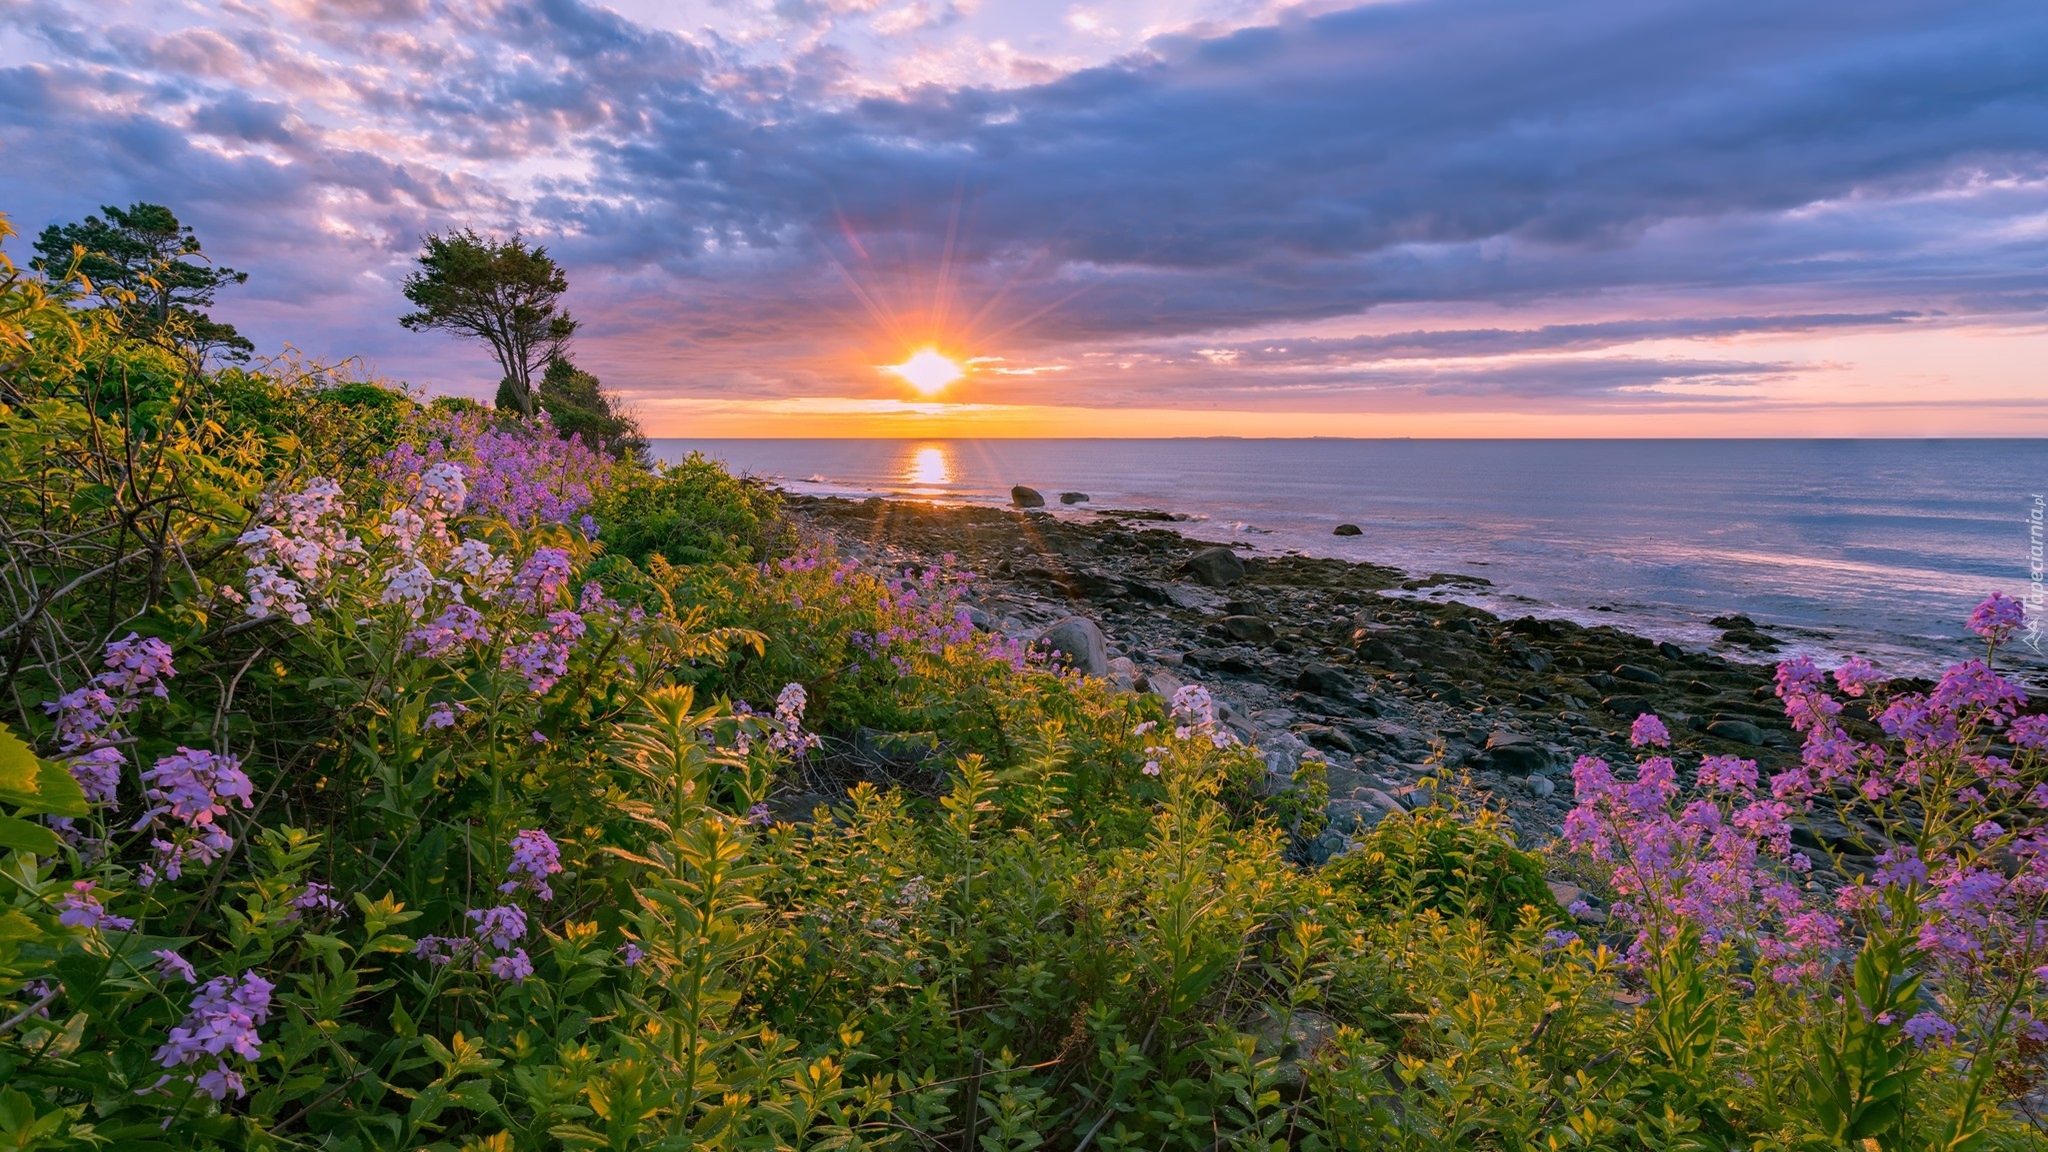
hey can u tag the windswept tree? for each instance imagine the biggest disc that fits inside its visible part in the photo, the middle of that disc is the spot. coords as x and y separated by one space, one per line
497 291
148 270
579 406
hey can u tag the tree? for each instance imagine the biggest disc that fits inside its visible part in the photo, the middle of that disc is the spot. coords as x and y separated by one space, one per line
500 292
579 406
134 261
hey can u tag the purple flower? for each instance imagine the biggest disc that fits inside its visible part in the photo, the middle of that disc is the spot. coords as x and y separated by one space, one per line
759 814
502 926
171 964
137 665
1557 938
195 786
2029 732
449 634
1648 729
317 897
513 966
98 773
442 715
630 954
1856 676
535 857
222 1021
1928 1028
542 580
82 909
1998 617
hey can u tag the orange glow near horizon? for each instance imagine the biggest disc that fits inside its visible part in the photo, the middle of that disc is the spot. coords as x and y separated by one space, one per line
928 370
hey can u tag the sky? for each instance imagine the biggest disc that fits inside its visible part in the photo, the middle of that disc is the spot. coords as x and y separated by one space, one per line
1127 218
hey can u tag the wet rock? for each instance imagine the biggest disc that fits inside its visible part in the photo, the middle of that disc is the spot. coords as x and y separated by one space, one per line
1251 629
1081 641
1347 530
1216 567
1637 674
1670 651
1024 497
1739 731
1752 640
1073 497
1325 680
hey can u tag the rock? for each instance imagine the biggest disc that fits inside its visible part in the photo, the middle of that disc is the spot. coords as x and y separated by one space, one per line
1380 800
1282 752
1540 787
1295 1040
1347 530
1324 680
1739 731
1352 817
1123 673
1637 674
1232 660
1565 893
1627 707
1250 629
1163 684
1516 753
1081 641
1323 736
1752 640
1670 651
1216 567
1073 497
1024 497
978 619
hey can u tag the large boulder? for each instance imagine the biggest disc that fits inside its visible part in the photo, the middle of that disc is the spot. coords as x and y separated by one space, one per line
1347 530
1216 567
1078 638
1073 497
1024 497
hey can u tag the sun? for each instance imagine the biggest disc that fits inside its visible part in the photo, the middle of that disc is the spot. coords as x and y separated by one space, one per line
928 370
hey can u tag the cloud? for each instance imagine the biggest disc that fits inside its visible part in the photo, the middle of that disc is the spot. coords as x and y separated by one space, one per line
770 220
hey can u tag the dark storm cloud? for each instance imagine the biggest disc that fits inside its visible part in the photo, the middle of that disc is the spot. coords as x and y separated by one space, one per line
1868 154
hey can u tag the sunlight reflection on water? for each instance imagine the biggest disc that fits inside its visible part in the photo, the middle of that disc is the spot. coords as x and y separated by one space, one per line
927 469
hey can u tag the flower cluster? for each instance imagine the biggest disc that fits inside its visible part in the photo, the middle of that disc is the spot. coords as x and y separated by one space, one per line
786 728
88 718
493 944
221 1023
299 553
82 909
1194 715
194 788
1721 861
543 656
535 857
525 474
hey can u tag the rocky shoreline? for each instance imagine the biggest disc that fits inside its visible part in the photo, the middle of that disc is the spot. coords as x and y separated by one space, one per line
1329 658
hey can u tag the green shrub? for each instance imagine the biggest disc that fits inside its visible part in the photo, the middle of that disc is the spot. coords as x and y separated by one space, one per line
1443 859
689 513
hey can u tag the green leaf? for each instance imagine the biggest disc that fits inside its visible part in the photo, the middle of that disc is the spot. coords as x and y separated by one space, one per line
19 768
36 787
28 837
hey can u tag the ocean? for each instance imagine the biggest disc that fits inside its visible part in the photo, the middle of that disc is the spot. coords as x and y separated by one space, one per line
1871 547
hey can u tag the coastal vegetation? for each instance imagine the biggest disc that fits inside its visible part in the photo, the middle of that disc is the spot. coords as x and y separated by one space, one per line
381 774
